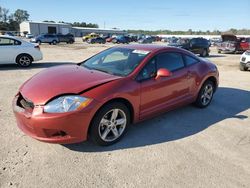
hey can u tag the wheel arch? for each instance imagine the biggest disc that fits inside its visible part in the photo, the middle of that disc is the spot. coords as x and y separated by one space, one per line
124 101
212 79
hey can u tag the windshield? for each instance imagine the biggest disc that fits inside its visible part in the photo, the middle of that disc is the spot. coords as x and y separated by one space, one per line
116 61
182 41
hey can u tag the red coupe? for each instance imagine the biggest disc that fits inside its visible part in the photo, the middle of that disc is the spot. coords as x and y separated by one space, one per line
104 94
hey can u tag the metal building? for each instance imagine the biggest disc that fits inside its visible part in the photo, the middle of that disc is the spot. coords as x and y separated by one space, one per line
37 28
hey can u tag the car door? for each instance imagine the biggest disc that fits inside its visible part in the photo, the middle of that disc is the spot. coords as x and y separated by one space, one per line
194 45
244 44
8 49
192 76
166 92
46 38
248 41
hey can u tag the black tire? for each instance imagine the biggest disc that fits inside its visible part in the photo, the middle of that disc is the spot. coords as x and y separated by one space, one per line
96 127
204 53
219 51
243 68
54 42
24 60
200 99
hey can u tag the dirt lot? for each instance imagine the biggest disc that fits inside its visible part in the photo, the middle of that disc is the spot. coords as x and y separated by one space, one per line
188 147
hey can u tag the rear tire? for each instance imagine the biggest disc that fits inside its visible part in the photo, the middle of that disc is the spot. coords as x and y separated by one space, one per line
54 42
205 95
243 68
204 53
107 128
24 60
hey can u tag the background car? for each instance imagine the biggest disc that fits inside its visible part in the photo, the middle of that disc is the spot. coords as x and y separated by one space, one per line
233 44
245 61
89 36
68 38
147 40
121 39
195 45
100 97
18 51
46 38
99 40
29 36
110 39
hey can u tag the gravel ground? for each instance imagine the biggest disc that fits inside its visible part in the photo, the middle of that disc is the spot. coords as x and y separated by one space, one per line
188 147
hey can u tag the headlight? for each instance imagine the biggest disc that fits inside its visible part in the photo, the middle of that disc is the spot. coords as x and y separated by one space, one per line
66 103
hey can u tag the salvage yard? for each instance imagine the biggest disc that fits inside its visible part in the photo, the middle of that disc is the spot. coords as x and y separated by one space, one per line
186 147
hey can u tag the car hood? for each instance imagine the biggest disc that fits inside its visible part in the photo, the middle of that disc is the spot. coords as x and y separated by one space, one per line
65 79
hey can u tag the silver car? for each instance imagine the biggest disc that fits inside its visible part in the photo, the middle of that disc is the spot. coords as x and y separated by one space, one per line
46 38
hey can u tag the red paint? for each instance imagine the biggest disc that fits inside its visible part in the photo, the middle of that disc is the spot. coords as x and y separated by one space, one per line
148 98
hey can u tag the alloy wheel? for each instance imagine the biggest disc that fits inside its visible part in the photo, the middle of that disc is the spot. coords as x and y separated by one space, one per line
207 94
112 125
24 61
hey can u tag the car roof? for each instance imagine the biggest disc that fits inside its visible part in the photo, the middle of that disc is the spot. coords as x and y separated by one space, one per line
148 47
16 38
10 37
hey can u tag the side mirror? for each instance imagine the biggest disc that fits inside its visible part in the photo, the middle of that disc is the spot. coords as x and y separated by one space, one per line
162 73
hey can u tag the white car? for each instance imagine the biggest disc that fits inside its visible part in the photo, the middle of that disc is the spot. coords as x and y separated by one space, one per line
14 50
245 61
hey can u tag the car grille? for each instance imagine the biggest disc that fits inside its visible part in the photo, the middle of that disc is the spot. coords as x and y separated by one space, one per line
24 103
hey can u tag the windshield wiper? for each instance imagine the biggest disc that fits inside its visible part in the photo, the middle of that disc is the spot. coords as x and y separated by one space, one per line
106 71
102 70
86 66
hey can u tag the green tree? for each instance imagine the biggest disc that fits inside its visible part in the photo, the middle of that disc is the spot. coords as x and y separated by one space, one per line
21 15
233 31
4 14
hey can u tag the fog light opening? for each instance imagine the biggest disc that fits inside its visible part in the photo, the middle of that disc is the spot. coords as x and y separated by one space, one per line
59 133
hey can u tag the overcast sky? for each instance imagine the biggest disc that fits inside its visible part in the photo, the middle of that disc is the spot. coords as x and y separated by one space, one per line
141 14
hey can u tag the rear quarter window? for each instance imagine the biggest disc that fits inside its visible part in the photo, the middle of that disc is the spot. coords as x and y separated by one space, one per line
190 60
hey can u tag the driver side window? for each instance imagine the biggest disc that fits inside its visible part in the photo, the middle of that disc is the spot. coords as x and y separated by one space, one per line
149 70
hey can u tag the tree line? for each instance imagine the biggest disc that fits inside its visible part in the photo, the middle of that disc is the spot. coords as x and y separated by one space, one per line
83 24
10 21
191 32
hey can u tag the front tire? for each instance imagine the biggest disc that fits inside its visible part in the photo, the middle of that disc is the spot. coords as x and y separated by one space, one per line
110 124
24 60
205 95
